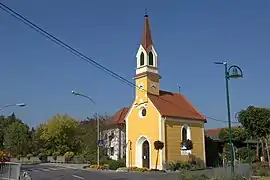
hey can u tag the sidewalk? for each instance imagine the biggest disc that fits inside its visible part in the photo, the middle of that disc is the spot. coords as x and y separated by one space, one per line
71 166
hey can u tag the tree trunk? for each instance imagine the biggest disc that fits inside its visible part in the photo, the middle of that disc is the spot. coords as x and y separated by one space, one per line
257 151
267 150
157 158
263 153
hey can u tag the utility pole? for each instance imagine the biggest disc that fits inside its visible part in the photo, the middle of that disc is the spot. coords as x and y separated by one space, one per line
98 137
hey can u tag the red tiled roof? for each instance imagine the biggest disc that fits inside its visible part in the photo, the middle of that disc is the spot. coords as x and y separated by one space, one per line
146 37
175 105
119 116
215 131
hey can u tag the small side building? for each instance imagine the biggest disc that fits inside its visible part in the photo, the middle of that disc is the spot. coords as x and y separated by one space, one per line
114 135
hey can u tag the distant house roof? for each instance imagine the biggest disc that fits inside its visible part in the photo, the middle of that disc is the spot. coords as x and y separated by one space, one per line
175 105
119 116
213 133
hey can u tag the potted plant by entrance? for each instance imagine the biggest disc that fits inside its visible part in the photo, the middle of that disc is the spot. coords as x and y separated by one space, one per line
158 146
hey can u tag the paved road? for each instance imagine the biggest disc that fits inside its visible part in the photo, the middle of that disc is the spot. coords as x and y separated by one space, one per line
68 172
50 172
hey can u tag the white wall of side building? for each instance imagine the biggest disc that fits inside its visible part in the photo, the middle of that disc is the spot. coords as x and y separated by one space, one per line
113 144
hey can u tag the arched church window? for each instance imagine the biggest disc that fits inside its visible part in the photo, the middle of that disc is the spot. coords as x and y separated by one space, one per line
184 133
142 59
186 143
151 59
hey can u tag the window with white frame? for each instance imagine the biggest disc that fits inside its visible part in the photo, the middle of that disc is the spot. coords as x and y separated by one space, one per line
185 135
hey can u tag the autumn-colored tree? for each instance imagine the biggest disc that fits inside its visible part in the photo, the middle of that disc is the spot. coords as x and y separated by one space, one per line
58 134
158 145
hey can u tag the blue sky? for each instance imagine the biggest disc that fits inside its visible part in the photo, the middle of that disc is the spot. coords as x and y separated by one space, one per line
188 36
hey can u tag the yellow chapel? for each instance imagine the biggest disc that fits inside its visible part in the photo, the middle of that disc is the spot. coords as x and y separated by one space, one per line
159 115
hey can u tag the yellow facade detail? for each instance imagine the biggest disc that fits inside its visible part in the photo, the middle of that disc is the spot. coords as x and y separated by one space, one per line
141 93
173 140
153 82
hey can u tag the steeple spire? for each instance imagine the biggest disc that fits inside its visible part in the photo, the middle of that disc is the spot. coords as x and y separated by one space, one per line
146 37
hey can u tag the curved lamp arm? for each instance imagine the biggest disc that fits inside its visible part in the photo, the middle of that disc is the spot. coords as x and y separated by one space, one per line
10 105
82 95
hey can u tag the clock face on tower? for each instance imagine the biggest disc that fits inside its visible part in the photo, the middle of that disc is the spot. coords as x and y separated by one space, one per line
141 86
153 86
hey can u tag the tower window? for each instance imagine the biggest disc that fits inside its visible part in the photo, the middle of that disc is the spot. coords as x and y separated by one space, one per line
151 59
142 59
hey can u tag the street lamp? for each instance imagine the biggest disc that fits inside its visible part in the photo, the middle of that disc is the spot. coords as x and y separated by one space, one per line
231 72
10 105
98 133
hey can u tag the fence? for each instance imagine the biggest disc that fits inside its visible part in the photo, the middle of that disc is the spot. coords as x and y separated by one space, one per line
10 171
50 159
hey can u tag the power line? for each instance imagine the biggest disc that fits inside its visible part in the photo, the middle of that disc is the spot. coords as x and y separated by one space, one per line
77 53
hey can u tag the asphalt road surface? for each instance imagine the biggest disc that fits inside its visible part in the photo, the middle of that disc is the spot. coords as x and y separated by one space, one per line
44 172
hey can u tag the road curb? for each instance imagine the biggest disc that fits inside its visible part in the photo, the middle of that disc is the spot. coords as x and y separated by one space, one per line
60 165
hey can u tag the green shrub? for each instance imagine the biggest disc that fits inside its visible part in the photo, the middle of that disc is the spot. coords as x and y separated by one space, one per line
55 154
113 165
195 162
174 166
42 157
261 172
69 155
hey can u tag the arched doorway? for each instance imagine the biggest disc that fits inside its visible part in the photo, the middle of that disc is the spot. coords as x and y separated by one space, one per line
145 154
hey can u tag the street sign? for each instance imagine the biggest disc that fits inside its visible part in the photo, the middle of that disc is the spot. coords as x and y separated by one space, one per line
100 142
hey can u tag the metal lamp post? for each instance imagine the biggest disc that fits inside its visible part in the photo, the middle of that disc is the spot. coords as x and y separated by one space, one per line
10 105
98 133
231 72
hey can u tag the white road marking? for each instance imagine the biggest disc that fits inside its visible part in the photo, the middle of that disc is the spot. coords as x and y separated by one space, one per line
79 177
45 170
54 169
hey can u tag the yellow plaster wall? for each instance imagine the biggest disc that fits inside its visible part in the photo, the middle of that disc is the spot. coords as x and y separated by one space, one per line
147 126
140 94
173 141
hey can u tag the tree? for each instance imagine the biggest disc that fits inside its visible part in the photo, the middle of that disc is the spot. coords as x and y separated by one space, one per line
256 121
239 135
158 146
5 122
58 134
2 131
87 135
16 138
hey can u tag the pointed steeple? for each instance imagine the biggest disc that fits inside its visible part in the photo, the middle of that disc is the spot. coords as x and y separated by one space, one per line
146 36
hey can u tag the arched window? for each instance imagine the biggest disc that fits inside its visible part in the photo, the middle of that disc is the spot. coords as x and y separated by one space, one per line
151 59
142 59
186 143
184 133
